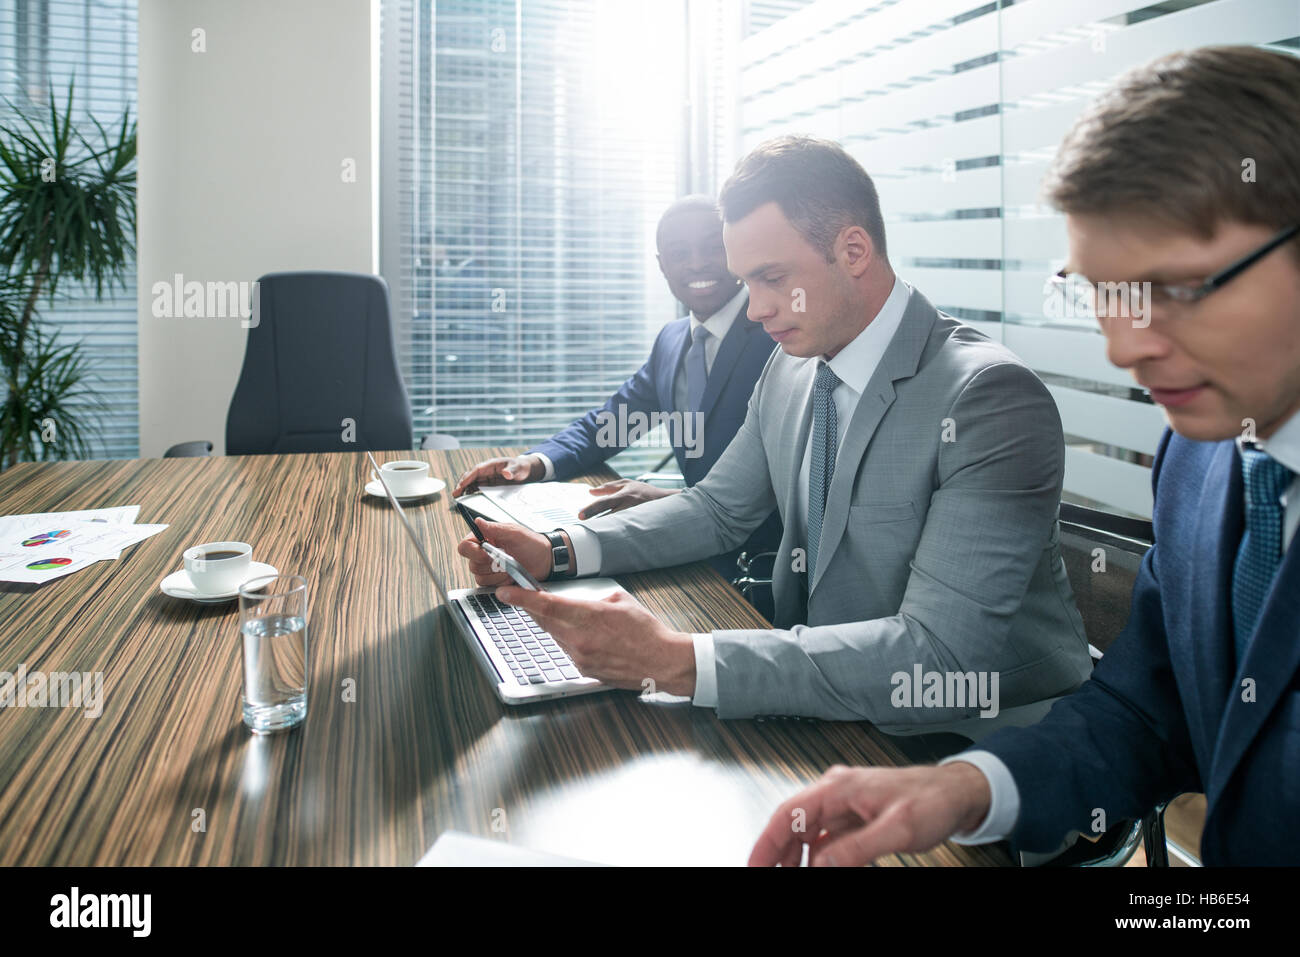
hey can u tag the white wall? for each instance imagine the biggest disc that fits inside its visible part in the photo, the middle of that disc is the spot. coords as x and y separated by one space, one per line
241 152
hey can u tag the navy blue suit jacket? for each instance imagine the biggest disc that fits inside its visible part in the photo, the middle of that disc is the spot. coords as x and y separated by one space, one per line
740 358
1168 709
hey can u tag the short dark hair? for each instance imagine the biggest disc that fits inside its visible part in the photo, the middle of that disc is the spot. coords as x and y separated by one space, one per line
1171 140
694 202
820 188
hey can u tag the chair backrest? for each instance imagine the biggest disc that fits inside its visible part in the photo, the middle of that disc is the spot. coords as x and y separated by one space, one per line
199 448
1102 553
439 441
320 371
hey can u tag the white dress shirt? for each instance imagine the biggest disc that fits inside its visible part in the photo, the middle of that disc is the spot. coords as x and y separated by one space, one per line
1004 805
718 324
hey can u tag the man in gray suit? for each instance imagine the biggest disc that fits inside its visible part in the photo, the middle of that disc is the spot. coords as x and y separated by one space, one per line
917 468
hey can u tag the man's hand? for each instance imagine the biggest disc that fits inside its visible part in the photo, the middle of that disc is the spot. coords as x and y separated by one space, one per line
515 470
854 815
621 494
525 546
614 639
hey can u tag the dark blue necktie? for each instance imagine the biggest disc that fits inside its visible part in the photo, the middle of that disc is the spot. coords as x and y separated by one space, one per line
822 466
1260 552
697 372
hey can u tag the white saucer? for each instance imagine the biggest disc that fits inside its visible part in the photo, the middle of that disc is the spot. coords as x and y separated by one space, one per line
178 584
432 486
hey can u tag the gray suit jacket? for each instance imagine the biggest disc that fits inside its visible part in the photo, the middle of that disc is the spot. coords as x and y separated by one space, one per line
939 545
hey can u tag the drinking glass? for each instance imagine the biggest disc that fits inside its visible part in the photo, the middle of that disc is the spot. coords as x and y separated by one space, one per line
273 626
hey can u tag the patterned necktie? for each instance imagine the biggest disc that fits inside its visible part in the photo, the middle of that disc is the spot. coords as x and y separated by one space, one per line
697 372
822 467
1260 552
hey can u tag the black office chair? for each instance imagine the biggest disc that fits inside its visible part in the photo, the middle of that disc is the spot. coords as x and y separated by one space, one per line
200 448
320 370
1102 553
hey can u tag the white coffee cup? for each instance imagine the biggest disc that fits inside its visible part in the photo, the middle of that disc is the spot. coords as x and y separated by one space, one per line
405 476
218 576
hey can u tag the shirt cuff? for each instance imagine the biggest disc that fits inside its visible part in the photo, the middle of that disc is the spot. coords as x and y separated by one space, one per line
550 466
586 549
706 671
1004 803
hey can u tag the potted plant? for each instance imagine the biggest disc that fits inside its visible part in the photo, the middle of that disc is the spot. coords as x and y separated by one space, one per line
67 214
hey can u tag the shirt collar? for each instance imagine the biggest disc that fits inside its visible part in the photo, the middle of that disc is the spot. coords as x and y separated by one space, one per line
719 324
855 364
1284 444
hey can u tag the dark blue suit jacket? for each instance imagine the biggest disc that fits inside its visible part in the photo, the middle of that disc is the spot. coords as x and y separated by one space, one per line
1168 710
740 359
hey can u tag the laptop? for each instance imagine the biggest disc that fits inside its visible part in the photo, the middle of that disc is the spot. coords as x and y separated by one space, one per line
519 658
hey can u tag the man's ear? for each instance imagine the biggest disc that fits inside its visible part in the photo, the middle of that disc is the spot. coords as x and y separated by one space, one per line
854 248
660 260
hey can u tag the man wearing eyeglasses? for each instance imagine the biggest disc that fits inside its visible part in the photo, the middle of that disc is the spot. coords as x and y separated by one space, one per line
1182 183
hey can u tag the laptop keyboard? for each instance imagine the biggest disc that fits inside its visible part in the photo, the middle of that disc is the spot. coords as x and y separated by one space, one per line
532 654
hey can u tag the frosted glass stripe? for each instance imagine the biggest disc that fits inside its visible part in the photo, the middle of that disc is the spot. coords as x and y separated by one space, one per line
1227 21
1116 484
798 31
947 239
970 288
929 147
930 193
1110 420
1066 352
1026 22
1040 238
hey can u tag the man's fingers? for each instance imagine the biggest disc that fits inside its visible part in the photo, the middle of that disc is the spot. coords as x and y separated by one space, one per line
560 608
468 548
795 823
498 533
463 483
533 602
484 473
615 503
480 565
891 832
599 508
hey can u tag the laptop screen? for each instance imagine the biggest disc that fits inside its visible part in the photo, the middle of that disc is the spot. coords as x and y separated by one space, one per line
410 532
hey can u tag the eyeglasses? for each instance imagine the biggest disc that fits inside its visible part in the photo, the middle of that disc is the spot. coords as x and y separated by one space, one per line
1129 298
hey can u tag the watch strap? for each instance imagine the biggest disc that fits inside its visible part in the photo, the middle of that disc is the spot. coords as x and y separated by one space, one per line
562 563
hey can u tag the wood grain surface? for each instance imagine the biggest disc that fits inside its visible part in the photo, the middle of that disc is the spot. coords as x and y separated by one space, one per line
424 747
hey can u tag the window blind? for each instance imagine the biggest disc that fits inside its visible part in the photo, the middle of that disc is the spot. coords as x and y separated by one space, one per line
45 44
527 150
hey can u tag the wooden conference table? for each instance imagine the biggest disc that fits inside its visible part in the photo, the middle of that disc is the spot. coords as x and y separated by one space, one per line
168 774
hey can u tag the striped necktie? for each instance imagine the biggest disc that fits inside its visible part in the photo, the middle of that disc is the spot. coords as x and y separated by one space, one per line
822 467
1260 552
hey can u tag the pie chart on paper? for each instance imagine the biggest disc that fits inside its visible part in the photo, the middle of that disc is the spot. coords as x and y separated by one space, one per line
45 537
48 564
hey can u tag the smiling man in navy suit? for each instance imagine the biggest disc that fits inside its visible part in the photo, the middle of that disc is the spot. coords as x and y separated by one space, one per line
704 366
1182 180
